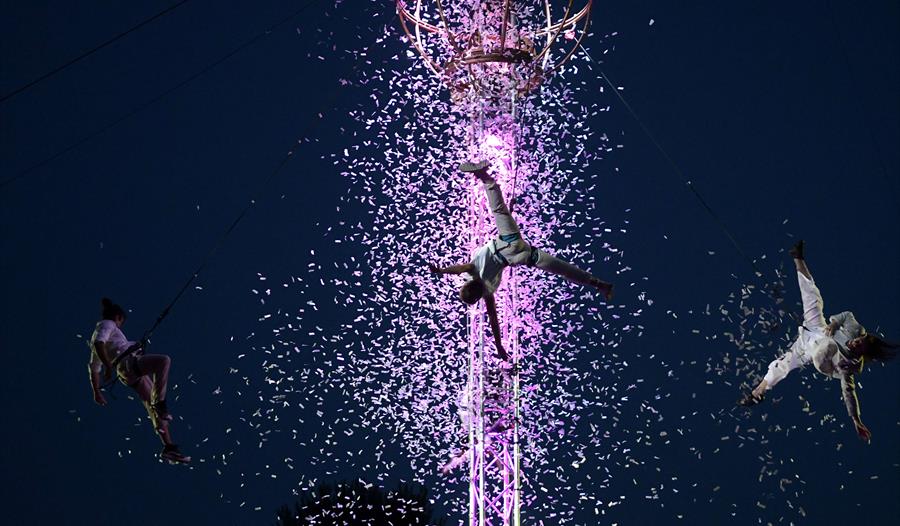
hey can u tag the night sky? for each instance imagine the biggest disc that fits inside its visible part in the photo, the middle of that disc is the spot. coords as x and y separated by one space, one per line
784 115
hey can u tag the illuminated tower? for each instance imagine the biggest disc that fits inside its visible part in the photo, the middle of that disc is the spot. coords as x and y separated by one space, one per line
490 54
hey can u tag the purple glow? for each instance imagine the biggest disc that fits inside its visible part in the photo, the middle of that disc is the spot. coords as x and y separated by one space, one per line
406 176
371 383
401 354
495 142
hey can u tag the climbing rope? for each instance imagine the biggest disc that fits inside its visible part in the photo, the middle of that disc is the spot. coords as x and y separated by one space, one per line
676 170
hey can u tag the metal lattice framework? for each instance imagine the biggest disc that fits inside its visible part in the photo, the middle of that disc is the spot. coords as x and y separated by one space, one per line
495 477
492 388
469 43
489 53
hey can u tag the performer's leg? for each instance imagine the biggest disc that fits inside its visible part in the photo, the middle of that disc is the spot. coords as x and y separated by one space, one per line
157 366
554 265
780 368
796 252
813 316
506 225
802 268
795 358
144 388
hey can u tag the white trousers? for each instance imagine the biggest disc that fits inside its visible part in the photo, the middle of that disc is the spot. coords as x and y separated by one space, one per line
518 252
812 331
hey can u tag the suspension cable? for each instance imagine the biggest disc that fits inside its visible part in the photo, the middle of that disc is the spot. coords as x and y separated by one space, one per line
260 189
26 172
676 169
90 52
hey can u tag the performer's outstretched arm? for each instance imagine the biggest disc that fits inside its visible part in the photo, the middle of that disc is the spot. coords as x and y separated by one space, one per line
101 349
452 269
491 307
848 390
95 387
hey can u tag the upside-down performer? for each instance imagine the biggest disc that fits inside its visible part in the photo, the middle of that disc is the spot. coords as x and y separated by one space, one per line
838 349
508 249
147 374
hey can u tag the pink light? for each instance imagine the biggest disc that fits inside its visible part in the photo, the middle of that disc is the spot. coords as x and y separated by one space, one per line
494 142
499 152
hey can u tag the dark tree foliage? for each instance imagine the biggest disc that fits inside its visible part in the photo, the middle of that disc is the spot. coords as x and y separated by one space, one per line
356 503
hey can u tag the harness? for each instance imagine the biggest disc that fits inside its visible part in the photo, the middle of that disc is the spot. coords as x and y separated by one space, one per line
496 251
509 239
132 352
132 367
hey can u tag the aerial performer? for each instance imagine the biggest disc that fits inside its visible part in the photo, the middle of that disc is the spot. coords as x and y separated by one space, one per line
507 249
838 349
147 374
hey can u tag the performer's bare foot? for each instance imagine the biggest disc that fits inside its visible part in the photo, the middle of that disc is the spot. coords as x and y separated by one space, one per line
605 288
502 354
172 455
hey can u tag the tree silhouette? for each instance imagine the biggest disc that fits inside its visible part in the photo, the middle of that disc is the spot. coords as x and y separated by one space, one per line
357 503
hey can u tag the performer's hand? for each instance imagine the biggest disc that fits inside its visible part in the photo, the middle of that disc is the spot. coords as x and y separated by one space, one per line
434 269
863 432
502 354
99 399
604 288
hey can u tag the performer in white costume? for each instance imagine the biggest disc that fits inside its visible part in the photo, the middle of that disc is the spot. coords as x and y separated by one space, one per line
507 249
837 349
147 374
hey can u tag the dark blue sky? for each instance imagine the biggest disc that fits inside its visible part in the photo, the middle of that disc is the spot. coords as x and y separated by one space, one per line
777 111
